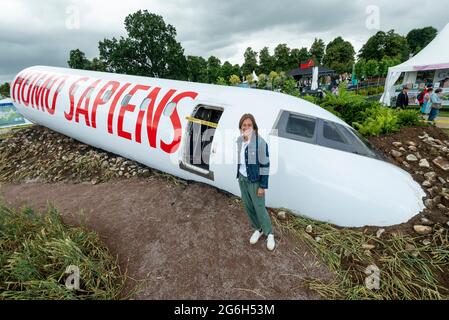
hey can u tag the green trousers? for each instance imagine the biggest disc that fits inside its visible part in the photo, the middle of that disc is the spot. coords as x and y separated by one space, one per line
255 205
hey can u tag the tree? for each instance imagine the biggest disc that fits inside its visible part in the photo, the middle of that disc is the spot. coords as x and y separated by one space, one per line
266 61
282 58
213 69
5 89
417 39
234 80
297 56
262 83
197 69
78 60
372 68
221 81
150 49
250 63
383 44
317 51
359 69
339 55
227 70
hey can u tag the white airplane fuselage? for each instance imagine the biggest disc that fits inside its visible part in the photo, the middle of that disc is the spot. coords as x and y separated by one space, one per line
318 168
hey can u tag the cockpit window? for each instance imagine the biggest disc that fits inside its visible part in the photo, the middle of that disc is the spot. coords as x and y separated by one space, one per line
325 133
302 127
296 127
331 132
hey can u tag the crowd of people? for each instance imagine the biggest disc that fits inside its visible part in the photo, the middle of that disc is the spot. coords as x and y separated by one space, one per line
430 101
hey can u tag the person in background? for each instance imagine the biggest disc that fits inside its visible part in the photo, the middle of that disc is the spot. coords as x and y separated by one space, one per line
436 103
402 101
426 101
420 99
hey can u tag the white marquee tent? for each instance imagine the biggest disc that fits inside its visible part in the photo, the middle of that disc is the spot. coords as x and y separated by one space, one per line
433 57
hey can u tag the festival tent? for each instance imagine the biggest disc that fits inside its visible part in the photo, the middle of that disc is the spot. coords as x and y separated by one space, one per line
433 57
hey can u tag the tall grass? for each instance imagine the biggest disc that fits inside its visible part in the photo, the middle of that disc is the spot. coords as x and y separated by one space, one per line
408 269
37 248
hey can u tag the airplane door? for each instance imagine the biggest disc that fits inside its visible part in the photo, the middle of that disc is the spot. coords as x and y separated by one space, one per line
198 145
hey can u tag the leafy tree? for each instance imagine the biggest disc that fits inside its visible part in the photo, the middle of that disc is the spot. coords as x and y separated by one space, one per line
383 44
359 69
372 68
227 70
5 89
221 81
78 60
282 58
417 39
266 61
339 55
234 80
262 83
150 49
197 69
317 51
298 56
250 63
213 69
289 87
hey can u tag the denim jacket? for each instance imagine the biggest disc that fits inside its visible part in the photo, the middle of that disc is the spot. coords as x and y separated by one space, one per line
256 159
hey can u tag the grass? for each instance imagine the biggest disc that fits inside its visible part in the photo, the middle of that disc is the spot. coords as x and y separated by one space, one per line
37 248
408 269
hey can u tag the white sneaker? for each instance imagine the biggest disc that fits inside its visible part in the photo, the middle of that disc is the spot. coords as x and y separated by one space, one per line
255 237
270 242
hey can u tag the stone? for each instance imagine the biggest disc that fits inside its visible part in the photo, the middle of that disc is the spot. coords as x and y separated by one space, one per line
317 239
442 181
405 164
413 149
411 143
426 222
427 183
397 144
424 163
396 154
426 242
402 149
441 207
368 246
309 229
412 158
282 215
422 230
430 176
379 233
442 163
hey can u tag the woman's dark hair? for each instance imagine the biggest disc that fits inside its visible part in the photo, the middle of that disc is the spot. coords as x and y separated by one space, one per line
430 89
250 117
438 90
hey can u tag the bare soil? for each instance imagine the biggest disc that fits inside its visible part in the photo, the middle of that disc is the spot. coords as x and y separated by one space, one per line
185 241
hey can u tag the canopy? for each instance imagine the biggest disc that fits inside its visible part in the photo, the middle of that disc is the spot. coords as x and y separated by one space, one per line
433 57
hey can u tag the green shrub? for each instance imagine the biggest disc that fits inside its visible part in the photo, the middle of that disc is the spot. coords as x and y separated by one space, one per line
378 120
408 118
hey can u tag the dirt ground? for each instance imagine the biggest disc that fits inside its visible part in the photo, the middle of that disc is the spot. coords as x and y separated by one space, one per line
188 241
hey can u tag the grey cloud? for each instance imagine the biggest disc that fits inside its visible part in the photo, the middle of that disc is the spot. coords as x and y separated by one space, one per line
36 34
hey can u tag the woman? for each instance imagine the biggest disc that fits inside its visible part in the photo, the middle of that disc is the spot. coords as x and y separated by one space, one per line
426 101
252 173
435 101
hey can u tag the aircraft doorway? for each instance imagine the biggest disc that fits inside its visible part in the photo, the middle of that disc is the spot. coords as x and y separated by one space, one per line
200 134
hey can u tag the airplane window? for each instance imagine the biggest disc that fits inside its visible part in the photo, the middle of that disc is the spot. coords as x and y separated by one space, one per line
89 93
126 99
300 126
145 103
331 132
107 96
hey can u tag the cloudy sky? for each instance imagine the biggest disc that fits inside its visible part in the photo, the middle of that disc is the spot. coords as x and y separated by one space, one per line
43 32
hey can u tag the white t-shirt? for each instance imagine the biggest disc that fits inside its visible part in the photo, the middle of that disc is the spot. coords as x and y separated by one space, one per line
242 168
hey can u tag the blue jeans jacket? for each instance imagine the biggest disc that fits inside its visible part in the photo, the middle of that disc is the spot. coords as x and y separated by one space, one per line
257 160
